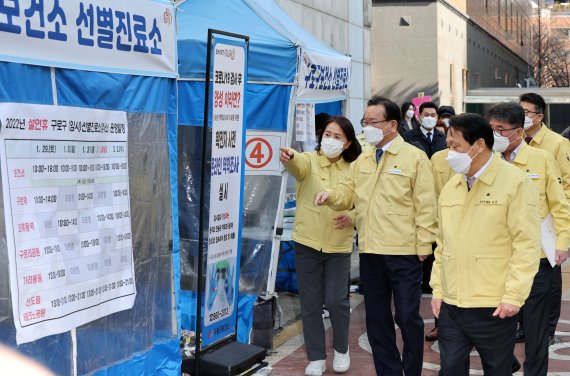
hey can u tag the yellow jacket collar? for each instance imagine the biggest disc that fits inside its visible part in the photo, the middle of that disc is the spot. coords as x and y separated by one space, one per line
540 134
396 145
325 162
522 155
394 148
492 170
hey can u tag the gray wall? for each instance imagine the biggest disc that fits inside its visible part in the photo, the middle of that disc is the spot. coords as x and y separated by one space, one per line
492 61
404 58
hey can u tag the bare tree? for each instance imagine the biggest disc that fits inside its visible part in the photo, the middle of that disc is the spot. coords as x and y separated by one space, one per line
551 52
556 60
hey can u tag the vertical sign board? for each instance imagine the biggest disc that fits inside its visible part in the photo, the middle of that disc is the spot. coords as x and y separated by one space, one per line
226 189
65 184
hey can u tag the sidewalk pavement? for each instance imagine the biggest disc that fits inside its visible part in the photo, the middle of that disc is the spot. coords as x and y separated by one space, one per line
289 359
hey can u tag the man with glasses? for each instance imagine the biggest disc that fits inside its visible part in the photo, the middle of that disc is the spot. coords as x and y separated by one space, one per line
392 188
537 134
507 120
488 245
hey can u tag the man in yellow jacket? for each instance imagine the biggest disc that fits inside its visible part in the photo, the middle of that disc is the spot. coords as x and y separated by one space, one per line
392 188
507 120
487 253
538 135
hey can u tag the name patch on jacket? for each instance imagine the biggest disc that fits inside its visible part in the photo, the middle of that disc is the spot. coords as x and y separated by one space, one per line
395 172
488 202
533 176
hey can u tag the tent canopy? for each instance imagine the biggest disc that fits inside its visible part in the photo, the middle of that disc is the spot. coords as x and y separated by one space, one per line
272 57
279 47
323 72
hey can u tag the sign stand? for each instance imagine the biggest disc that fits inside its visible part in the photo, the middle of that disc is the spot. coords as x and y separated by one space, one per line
217 351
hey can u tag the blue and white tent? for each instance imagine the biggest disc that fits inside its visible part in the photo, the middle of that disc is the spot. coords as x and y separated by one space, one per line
286 65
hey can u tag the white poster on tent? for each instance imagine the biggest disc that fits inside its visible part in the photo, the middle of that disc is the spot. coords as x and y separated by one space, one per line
323 78
95 35
301 122
310 114
65 185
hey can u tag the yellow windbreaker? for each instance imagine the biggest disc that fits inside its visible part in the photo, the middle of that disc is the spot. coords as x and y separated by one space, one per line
442 172
394 200
314 226
559 147
542 170
488 240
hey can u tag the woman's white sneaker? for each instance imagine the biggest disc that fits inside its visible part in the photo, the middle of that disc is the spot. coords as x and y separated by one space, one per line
341 362
316 368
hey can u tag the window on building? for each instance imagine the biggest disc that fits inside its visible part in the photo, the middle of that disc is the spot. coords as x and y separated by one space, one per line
499 11
451 83
512 29
465 81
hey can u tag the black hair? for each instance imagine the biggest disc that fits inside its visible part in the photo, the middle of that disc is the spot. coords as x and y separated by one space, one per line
535 99
405 107
473 127
427 105
391 109
510 112
353 151
320 120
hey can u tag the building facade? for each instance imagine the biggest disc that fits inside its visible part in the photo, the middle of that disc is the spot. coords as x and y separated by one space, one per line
345 26
442 48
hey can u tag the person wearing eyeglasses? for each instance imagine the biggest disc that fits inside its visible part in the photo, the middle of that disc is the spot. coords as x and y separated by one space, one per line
392 188
323 242
538 135
507 121
488 246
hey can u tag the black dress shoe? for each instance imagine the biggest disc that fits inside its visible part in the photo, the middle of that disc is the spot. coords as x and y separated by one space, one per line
432 335
519 337
516 364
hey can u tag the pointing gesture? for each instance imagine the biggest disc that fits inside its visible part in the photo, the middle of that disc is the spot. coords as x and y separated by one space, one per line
285 154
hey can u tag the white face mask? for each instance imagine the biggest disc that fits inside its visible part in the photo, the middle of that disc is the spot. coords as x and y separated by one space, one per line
409 114
373 135
331 147
528 122
446 122
460 162
501 143
428 122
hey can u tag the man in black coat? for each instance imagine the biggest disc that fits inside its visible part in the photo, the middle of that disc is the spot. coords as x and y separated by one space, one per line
430 139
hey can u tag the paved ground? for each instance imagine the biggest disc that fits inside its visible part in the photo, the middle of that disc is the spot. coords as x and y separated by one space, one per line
289 357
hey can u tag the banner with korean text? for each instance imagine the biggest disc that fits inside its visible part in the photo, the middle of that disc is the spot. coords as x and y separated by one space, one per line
65 185
94 35
226 189
323 78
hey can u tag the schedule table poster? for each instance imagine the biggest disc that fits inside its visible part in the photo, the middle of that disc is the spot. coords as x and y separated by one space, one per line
65 183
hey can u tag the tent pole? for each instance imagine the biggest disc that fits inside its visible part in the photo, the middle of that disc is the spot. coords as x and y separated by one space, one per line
202 205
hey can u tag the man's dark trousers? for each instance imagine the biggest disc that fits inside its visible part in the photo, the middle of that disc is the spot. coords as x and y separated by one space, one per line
461 329
555 300
383 276
535 317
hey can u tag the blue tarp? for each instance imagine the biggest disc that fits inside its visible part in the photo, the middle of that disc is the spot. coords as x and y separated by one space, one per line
144 339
